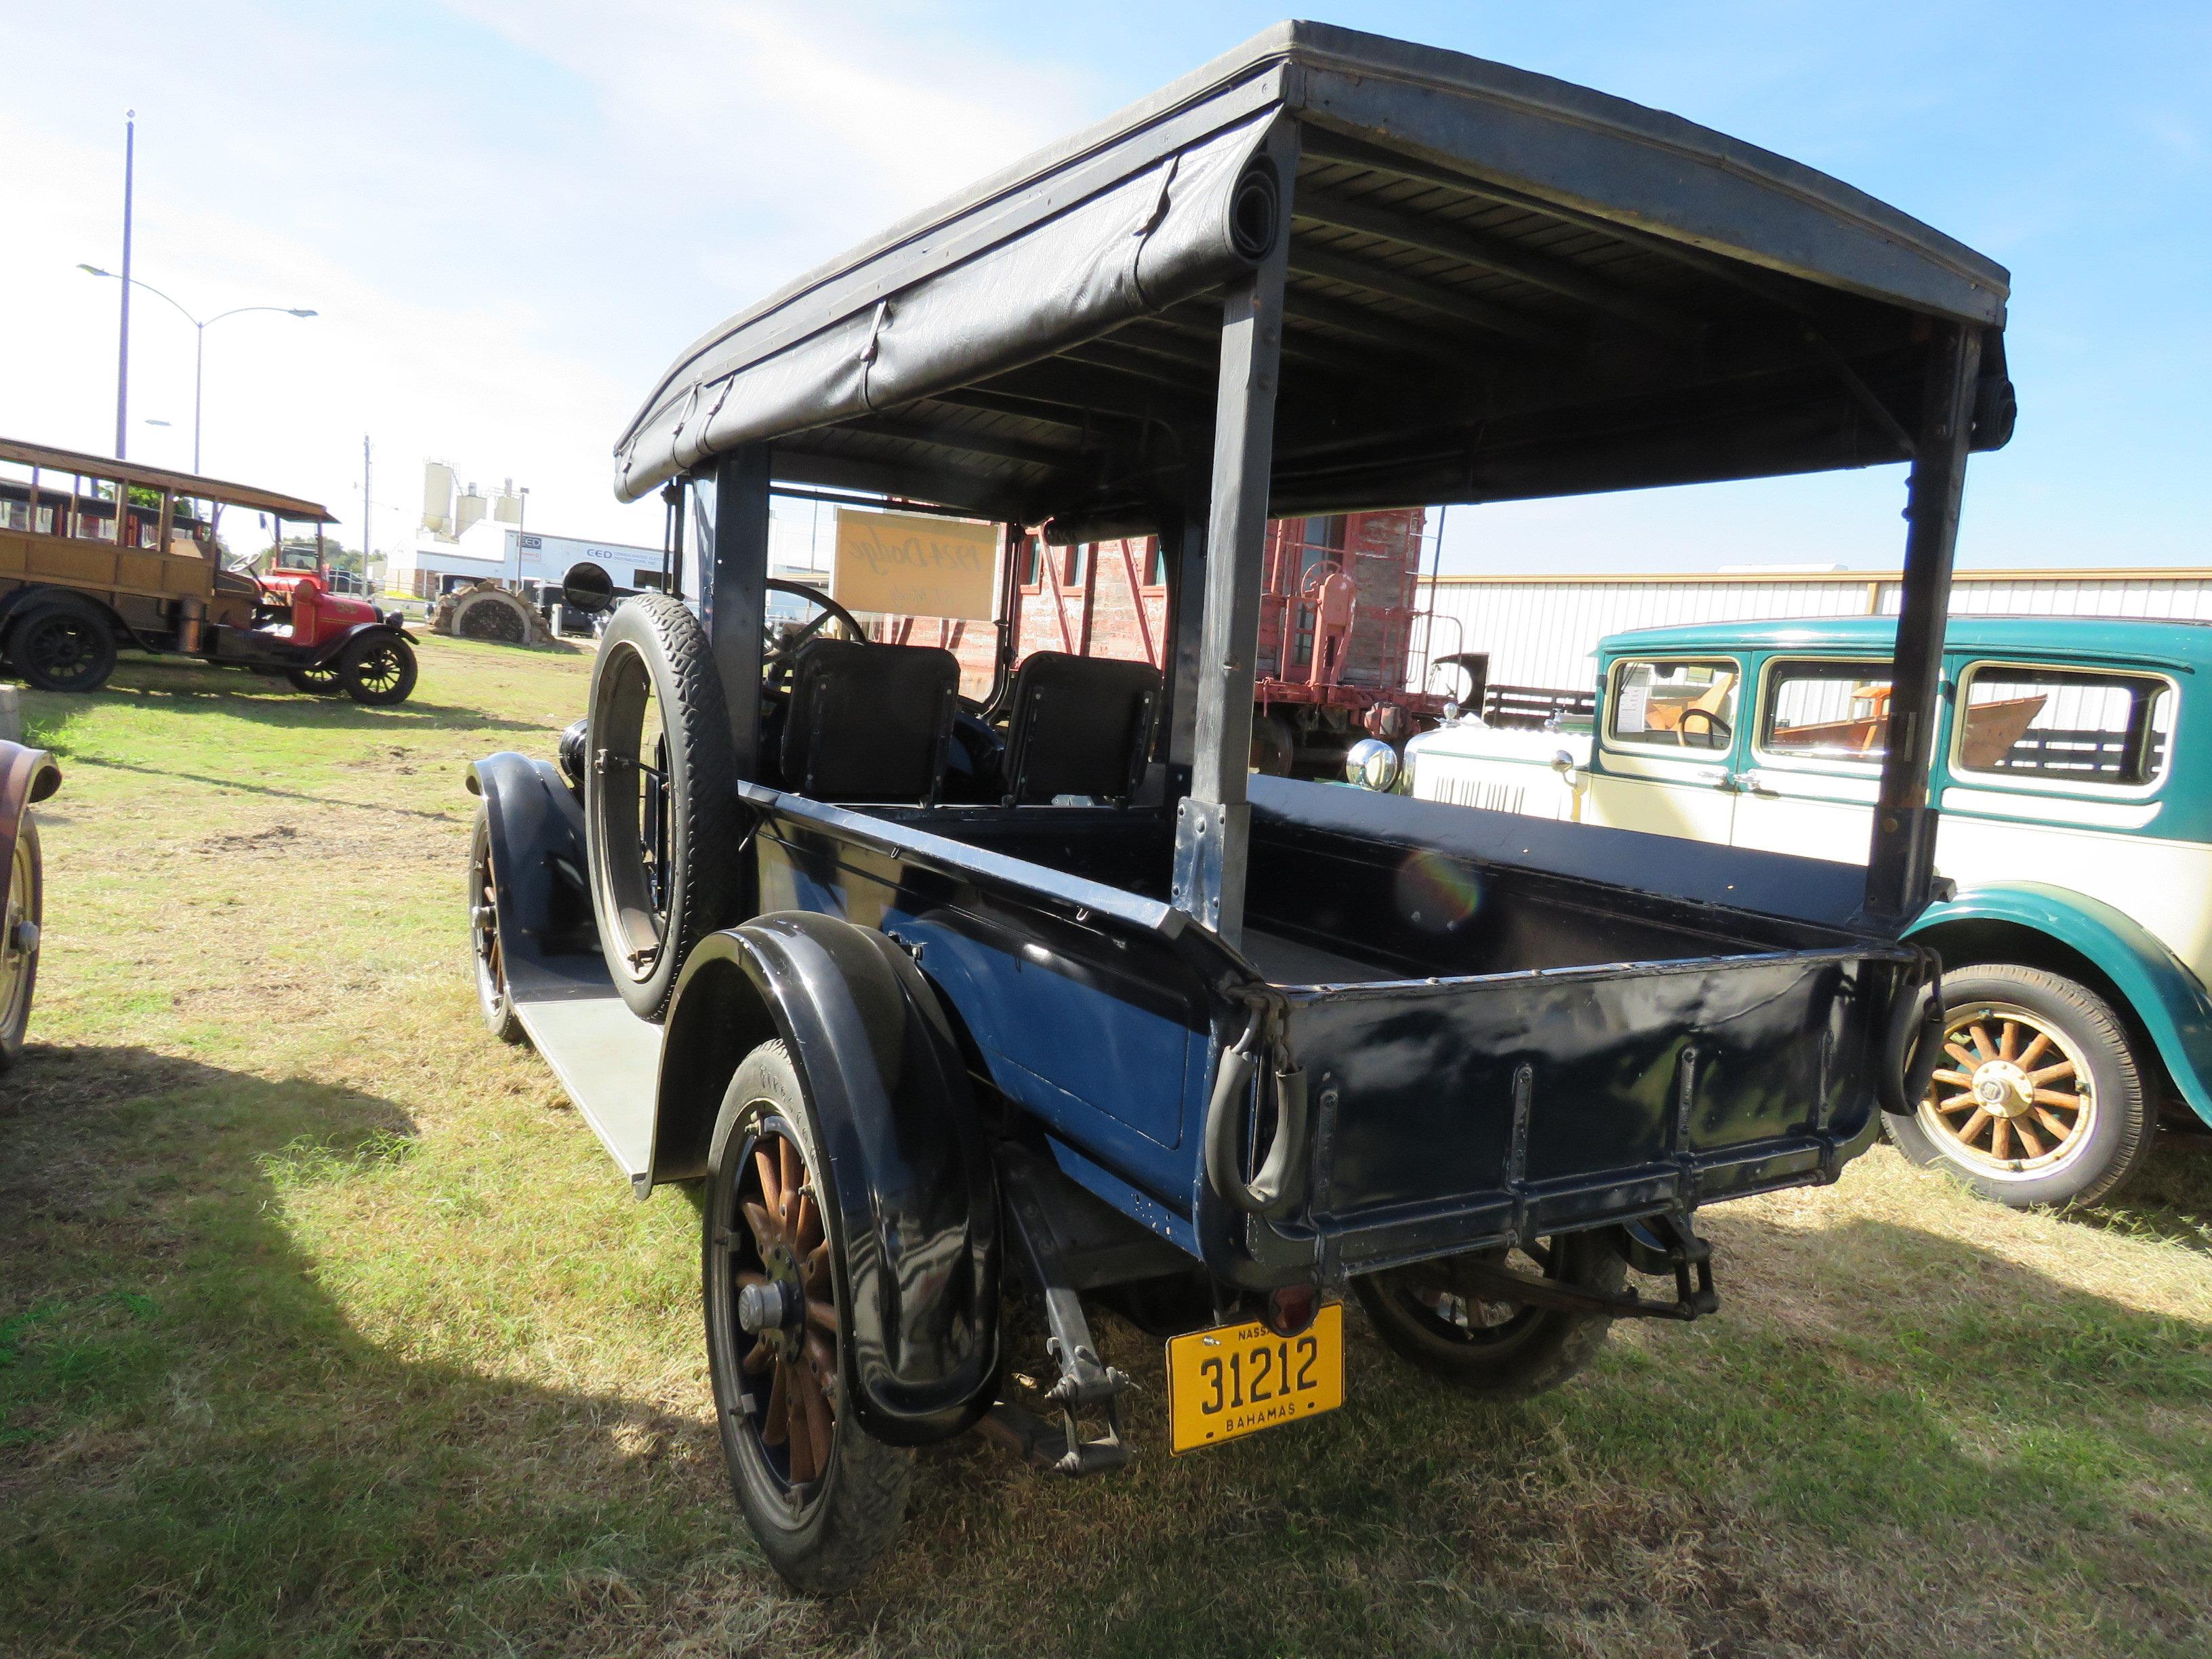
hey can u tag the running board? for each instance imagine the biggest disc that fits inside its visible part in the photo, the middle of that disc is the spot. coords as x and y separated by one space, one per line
608 1061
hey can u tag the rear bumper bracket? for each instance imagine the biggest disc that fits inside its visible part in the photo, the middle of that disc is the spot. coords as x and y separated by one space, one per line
1085 1382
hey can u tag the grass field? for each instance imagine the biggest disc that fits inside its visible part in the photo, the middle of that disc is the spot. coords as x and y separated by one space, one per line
326 1328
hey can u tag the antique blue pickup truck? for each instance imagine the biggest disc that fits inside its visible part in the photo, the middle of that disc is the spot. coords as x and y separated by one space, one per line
933 998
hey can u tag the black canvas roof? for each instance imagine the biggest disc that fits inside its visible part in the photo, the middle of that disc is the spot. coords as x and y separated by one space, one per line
1501 286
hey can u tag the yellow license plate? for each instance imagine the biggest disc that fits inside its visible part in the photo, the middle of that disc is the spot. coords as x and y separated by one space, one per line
1237 1379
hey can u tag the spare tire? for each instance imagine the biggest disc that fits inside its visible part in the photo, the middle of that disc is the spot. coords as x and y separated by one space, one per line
662 815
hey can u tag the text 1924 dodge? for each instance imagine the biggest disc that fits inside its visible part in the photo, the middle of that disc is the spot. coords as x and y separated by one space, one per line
926 995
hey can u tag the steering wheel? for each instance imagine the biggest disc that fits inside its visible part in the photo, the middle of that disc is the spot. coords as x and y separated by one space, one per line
1720 729
777 659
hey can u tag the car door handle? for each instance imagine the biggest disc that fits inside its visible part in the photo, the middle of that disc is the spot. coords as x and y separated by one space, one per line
1755 783
1720 779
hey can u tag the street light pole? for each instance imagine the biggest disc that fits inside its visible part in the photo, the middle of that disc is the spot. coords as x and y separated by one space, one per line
123 333
368 513
200 345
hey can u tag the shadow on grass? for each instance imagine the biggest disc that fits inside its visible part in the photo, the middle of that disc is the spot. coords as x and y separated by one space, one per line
2170 1198
241 786
188 688
199 1453
203 1454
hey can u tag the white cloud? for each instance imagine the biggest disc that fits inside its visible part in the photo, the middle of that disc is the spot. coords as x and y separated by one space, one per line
510 217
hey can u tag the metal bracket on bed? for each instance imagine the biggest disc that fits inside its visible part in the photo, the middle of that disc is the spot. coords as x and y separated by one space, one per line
1085 1382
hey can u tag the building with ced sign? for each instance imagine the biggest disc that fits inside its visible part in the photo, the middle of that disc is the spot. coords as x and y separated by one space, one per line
428 565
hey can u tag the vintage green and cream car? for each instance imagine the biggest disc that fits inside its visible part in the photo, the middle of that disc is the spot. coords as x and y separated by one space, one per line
2075 795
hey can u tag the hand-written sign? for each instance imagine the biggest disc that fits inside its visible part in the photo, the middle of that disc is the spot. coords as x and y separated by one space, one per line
909 566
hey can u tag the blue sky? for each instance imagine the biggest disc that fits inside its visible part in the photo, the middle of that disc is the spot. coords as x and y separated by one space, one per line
511 212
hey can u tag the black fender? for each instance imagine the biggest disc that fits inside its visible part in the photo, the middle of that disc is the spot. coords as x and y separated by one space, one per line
331 649
909 1170
537 865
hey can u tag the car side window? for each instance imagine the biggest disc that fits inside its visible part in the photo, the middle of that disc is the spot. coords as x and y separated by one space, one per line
1673 704
1830 711
2063 724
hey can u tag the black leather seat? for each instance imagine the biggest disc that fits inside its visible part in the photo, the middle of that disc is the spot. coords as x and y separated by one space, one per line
868 722
1079 725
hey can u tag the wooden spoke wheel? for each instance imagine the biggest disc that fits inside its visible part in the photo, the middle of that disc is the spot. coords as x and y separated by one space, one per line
2038 1099
1444 1321
19 941
492 995
823 1495
786 1308
2017 1093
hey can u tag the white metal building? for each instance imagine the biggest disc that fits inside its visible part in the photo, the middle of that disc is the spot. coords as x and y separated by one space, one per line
428 564
1541 630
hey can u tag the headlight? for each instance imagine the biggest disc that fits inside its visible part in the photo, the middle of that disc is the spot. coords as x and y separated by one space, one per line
1372 764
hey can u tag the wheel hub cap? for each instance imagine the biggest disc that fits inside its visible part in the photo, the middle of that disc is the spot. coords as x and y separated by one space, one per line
2003 1089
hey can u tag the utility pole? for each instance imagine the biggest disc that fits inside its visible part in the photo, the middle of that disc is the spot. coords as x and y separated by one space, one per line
123 346
368 513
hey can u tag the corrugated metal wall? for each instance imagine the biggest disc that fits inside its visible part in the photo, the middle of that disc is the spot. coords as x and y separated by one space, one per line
1541 631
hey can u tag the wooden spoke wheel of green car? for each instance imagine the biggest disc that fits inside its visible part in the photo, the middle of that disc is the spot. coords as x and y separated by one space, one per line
2038 1099
823 1495
2018 1093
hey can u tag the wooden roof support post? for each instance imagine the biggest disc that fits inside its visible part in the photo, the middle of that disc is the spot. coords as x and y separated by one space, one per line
730 497
1901 863
1213 821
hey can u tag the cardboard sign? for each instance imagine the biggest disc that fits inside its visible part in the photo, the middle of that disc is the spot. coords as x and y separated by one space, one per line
906 565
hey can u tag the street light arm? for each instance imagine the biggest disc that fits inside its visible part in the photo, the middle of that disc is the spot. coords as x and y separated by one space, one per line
290 311
137 282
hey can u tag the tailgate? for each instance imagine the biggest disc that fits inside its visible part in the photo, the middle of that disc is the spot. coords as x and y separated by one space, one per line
1453 1112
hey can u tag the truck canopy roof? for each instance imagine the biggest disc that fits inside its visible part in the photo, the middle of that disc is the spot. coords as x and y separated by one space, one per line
1502 286
156 478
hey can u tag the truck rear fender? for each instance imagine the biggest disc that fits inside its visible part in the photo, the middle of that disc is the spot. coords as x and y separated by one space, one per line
910 1174
2166 1001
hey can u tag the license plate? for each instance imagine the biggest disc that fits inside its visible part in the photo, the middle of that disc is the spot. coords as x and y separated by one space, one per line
1238 1379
